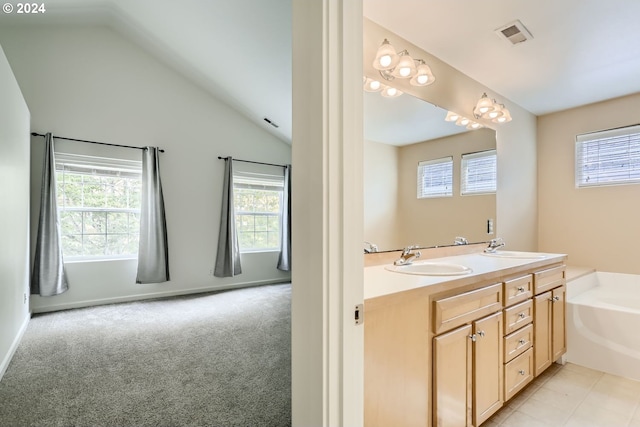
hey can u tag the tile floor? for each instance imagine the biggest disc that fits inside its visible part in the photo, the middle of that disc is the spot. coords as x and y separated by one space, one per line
573 396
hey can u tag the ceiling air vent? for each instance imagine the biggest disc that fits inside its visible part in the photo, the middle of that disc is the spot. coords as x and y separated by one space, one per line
272 123
514 33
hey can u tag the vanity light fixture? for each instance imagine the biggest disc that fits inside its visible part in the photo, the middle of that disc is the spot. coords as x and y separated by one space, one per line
391 65
391 92
489 109
462 121
371 85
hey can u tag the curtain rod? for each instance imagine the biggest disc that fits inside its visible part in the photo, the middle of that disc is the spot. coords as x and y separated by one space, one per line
250 161
93 142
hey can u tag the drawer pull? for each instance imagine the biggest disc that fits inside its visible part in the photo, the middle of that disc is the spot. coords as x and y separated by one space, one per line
520 289
521 372
522 341
522 315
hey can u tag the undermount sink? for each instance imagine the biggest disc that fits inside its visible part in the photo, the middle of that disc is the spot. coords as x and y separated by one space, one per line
516 254
431 269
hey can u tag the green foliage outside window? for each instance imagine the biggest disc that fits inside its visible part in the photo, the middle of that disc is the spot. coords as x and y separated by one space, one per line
99 215
257 218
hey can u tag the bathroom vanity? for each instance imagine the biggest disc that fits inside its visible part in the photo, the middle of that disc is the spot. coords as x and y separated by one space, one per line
450 350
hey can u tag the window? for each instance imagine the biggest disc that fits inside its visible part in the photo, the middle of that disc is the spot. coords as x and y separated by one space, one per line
479 173
257 201
98 206
435 178
609 157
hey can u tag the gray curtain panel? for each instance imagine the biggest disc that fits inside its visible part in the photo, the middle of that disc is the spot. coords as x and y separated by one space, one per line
284 260
48 277
228 257
153 251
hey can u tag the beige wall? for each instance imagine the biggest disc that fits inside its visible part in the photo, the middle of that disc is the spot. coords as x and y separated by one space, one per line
437 221
596 227
381 221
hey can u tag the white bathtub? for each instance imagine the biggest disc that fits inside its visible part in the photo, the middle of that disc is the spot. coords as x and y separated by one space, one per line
603 323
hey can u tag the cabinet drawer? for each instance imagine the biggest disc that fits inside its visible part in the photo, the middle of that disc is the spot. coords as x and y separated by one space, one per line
518 316
518 373
548 279
459 309
518 290
518 342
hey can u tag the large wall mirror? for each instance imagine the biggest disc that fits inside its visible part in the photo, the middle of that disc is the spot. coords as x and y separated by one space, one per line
399 133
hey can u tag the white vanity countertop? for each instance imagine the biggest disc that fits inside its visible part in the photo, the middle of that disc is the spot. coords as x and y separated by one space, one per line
378 281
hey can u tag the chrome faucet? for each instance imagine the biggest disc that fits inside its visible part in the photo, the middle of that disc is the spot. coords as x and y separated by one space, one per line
407 256
370 248
494 245
460 241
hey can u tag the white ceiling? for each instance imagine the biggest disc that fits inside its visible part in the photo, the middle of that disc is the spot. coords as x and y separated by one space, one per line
583 51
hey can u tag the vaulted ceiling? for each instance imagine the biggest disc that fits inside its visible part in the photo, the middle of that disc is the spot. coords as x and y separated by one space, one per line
582 51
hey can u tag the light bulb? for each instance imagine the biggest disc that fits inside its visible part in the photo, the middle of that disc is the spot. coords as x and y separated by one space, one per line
422 79
385 60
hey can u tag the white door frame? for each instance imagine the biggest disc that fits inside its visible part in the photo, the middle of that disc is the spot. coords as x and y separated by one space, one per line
327 212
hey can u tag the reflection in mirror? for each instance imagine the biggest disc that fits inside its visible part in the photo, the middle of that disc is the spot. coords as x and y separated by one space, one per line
400 133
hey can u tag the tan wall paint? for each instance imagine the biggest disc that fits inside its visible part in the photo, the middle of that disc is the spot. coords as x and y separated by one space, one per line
596 227
381 195
438 221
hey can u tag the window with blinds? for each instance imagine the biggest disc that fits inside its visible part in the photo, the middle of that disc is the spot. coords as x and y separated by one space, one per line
479 173
435 178
610 157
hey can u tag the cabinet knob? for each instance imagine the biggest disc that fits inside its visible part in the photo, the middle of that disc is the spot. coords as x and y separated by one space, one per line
481 333
520 289
522 315
555 299
522 341
521 372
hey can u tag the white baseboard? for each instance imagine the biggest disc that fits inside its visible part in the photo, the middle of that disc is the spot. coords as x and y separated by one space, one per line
14 346
138 297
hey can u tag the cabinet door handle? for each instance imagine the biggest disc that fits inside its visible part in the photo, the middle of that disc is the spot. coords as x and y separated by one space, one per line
521 372
522 315
473 337
481 333
520 289
555 299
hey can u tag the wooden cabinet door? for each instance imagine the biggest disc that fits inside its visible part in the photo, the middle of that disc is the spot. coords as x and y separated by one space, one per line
559 340
542 332
488 372
452 378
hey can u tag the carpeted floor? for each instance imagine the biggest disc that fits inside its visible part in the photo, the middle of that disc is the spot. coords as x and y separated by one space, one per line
218 359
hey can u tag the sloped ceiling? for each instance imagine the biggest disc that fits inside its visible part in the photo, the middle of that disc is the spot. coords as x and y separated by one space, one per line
582 51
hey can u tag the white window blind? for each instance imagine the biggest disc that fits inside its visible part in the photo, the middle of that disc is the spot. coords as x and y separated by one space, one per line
435 178
608 157
479 173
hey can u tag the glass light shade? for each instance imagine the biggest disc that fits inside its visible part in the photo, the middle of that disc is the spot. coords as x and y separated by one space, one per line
474 125
423 76
391 92
463 121
371 85
506 117
484 105
406 67
494 114
451 116
386 57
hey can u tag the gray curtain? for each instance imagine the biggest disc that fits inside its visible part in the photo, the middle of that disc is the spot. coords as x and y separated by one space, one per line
284 260
228 257
48 277
153 251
